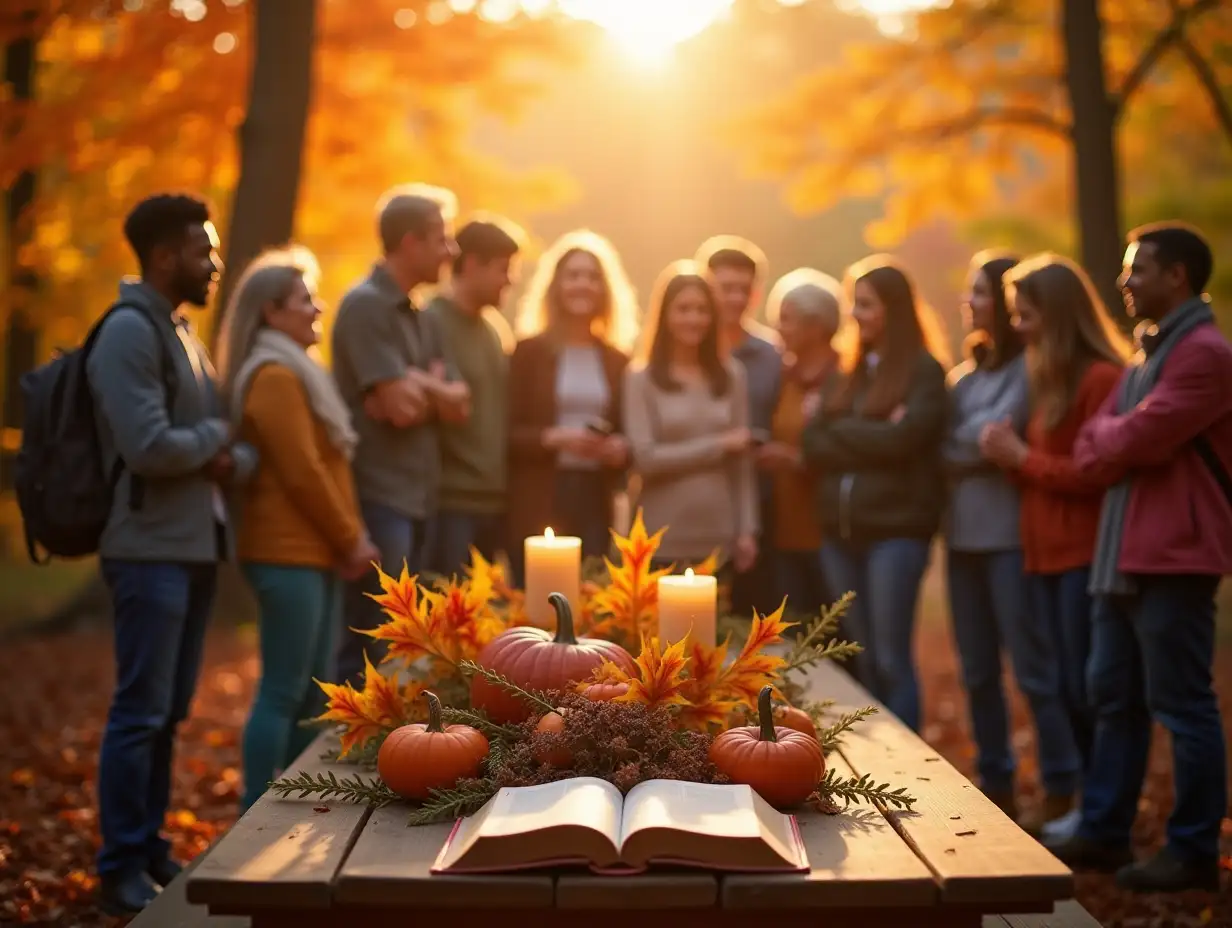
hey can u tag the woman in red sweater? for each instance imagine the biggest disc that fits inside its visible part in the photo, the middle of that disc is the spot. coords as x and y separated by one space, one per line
1075 356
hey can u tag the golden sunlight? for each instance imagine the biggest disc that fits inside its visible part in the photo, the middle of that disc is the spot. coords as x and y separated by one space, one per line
648 29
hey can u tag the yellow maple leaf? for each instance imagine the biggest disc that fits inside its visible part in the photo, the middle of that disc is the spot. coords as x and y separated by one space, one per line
708 567
347 706
398 595
382 698
752 669
629 603
660 675
607 672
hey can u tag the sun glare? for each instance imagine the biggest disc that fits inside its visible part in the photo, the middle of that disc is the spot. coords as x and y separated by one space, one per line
648 29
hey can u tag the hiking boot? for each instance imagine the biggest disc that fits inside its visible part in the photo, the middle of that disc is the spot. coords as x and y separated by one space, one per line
1004 800
1081 853
1053 808
1167 873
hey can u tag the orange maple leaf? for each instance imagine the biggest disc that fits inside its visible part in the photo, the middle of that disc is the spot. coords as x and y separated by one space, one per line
752 669
629 602
347 706
398 595
660 675
607 672
708 567
382 698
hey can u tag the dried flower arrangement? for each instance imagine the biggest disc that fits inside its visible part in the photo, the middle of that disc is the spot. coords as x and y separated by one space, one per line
595 705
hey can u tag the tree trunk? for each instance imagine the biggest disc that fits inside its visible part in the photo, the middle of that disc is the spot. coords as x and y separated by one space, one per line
1096 174
271 137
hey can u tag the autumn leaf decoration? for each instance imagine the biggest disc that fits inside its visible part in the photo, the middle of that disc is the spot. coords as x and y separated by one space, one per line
381 706
660 675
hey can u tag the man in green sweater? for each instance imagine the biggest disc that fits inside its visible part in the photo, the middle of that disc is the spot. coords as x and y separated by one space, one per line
477 341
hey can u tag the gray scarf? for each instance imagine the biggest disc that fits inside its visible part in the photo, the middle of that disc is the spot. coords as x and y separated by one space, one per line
1157 343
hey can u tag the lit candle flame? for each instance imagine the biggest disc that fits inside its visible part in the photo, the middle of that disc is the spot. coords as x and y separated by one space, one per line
548 533
689 573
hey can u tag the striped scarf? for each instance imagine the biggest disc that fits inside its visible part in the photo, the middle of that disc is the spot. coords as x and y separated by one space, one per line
1157 343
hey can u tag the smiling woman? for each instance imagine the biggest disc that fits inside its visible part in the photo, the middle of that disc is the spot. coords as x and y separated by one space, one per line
648 29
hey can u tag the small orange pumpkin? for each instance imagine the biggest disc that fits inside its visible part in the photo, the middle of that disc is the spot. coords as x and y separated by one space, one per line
783 765
798 719
554 723
416 759
605 692
536 660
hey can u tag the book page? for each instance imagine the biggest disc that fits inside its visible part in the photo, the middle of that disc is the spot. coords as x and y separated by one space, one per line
733 815
523 824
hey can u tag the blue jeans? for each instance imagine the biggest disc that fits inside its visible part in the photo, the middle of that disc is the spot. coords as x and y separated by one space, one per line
400 540
885 576
989 609
454 533
1061 603
299 615
161 614
1151 658
800 578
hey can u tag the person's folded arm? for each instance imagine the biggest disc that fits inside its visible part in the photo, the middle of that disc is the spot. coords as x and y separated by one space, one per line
961 449
1076 472
880 442
125 374
367 337
246 460
279 415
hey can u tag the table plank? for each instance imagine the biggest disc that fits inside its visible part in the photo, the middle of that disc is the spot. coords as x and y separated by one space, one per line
979 855
666 890
388 866
282 852
856 859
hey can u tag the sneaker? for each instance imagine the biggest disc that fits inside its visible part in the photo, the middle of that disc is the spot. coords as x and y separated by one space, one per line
1167 873
1082 853
1053 808
162 872
125 894
1060 830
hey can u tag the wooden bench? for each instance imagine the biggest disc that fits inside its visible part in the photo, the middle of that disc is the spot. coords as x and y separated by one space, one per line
955 860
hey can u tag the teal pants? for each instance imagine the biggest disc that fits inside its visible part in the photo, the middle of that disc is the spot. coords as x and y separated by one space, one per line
299 613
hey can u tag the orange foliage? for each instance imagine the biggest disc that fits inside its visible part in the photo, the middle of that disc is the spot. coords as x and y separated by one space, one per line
364 714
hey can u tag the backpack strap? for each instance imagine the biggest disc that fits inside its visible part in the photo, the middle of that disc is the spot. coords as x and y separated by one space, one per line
1203 446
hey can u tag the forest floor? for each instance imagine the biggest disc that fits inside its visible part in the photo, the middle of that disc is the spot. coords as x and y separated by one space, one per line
53 708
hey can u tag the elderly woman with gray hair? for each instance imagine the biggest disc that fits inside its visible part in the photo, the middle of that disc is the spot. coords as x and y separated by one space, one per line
804 305
300 528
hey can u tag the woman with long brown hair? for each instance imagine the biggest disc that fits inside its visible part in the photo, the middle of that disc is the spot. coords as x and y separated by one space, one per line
877 443
687 417
1075 357
566 452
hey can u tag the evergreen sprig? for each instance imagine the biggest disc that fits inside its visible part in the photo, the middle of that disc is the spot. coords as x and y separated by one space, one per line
445 805
533 697
831 736
363 755
862 789
818 642
476 718
327 785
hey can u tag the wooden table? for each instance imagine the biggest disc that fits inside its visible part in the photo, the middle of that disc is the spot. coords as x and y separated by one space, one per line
952 860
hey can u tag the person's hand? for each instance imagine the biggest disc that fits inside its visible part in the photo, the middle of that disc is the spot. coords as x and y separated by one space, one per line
221 467
359 561
581 443
896 415
776 456
614 451
1000 444
733 441
744 553
437 369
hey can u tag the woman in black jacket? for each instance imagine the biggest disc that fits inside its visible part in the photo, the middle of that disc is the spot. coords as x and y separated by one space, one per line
877 448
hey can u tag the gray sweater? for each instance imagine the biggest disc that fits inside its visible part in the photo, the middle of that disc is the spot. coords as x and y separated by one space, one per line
983 510
180 508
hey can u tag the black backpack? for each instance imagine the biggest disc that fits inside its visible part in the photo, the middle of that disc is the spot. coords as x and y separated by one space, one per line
62 487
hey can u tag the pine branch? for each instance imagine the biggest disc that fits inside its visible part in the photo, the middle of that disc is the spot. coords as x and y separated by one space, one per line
861 789
328 786
532 697
362 756
831 736
817 643
476 718
449 804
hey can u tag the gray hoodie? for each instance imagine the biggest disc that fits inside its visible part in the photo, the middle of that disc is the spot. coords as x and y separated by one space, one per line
983 510
180 508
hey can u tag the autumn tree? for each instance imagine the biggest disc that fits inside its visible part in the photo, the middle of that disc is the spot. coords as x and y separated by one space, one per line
982 100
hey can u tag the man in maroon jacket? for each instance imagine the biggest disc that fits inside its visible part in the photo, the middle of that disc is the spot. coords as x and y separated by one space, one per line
1165 540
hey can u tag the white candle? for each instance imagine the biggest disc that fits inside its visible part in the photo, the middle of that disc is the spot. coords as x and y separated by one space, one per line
553 565
688 605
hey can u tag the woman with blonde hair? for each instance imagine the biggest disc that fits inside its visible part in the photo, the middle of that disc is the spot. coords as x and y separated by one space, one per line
1075 357
687 416
300 526
877 445
566 452
805 306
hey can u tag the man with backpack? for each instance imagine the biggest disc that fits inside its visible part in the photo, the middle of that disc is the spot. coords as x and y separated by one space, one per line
163 438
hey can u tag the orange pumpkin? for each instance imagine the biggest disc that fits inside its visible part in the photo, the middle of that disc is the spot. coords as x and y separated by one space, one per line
536 660
783 765
416 759
604 692
554 723
798 719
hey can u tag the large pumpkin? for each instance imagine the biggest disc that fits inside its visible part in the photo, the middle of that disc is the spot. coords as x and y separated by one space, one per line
783 765
536 660
416 759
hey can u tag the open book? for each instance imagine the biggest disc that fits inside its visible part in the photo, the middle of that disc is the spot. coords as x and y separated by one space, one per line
585 820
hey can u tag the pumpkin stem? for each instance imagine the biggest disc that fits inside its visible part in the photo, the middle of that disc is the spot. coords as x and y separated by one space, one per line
564 619
434 712
765 713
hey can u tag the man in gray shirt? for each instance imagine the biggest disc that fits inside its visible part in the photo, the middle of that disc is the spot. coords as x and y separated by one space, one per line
390 366
161 429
